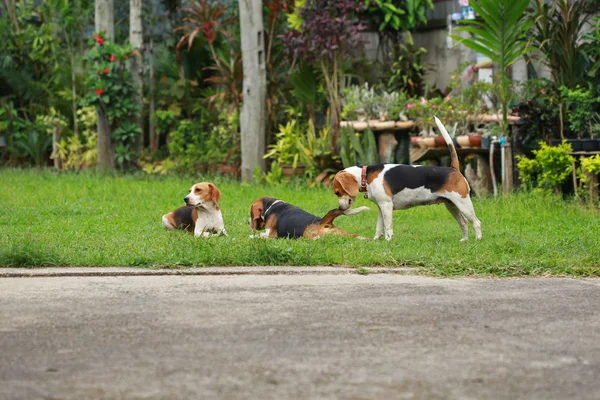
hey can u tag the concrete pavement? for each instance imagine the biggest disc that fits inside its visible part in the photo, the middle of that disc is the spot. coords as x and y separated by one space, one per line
331 335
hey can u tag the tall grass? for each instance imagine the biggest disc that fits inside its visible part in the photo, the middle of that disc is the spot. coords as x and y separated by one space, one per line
49 219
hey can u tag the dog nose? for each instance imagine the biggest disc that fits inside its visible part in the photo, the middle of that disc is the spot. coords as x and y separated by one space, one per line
185 199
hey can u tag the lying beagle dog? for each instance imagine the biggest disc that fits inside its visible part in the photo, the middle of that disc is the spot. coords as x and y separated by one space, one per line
398 187
283 220
201 214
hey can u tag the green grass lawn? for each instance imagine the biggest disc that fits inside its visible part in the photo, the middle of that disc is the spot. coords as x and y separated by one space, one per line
49 219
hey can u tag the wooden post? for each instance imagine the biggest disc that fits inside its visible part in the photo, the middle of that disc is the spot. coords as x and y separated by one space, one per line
508 182
252 116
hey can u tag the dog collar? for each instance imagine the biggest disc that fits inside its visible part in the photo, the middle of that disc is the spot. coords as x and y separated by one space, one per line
363 179
264 215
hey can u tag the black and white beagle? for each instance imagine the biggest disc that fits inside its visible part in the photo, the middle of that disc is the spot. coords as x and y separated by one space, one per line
201 214
283 220
398 187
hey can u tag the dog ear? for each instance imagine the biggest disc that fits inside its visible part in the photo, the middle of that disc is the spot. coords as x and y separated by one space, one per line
348 183
256 210
215 194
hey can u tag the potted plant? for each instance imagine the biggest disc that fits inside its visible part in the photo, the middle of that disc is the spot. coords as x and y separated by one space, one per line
287 150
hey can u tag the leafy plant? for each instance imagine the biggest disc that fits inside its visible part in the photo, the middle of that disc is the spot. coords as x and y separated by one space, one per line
579 109
112 93
357 150
408 71
540 106
35 143
208 20
557 33
327 36
592 49
589 166
551 166
500 33
80 150
288 147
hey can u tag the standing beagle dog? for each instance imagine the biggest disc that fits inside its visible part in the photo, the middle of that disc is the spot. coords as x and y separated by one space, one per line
398 187
201 214
283 220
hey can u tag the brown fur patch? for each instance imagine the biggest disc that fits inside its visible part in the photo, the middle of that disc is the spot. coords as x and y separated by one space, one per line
171 219
455 183
372 176
271 224
386 187
314 231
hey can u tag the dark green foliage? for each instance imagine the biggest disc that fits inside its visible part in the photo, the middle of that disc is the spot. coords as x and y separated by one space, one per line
358 148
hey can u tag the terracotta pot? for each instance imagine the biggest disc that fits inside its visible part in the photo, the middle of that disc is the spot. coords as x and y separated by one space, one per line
463 141
440 141
232 170
429 142
289 170
475 140
421 143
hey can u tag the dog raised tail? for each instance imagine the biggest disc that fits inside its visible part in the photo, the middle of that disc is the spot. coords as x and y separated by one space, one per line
336 212
453 156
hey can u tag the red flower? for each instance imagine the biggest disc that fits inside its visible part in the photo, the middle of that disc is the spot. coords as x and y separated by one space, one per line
126 57
99 40
112 58
135 53
99 91
97 72
106 70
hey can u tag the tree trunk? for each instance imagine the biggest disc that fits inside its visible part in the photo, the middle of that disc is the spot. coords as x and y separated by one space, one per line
136 38
152 136
56 133
11 7
252 117
105 21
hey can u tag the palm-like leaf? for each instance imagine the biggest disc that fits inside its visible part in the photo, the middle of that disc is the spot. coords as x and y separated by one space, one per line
499 33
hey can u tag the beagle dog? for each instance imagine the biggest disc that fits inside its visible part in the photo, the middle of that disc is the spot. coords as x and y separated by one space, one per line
201 214
283 220
398 187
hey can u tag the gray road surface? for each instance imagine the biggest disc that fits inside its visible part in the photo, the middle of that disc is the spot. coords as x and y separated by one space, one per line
380 336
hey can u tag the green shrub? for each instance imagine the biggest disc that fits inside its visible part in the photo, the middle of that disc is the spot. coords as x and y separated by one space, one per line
551 166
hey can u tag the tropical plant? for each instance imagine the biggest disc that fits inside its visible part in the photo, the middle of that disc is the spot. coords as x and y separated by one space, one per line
592 48
209 21
408 71
327 35
288 148
357 150
112 93
558 33
499 33
393 18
